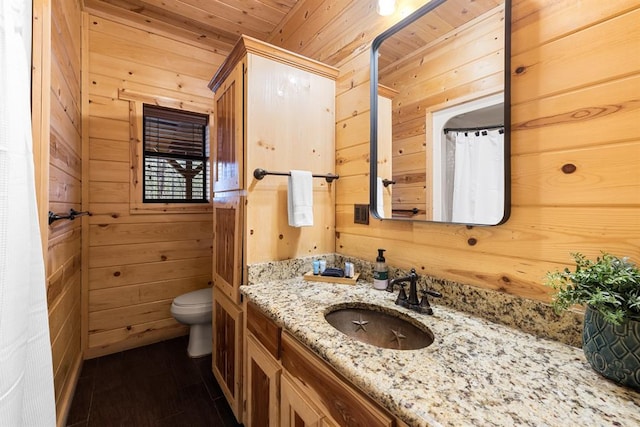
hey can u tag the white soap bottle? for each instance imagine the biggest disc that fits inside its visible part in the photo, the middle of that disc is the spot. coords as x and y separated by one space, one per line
380 272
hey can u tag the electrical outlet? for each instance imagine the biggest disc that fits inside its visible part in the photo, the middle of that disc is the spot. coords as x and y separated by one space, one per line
361 214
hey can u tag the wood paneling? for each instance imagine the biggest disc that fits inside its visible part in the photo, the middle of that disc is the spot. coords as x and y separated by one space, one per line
164 289
138 262
574 101
122 275
130 336
212 25
57 41
138 253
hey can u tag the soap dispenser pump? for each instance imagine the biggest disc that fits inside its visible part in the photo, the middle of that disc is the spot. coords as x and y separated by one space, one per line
380 272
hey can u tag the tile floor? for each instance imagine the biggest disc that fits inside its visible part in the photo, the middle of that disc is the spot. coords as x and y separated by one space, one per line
157 385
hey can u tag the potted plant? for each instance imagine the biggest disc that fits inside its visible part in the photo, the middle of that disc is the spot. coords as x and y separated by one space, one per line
610 289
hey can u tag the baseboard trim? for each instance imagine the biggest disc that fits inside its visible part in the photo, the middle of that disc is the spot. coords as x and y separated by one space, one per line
67 395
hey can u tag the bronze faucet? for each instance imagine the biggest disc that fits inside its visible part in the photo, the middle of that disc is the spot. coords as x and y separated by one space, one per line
411 302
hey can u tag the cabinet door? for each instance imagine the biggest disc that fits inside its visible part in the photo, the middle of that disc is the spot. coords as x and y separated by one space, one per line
336 398
296 409
229 136
262 385
227 349
227 244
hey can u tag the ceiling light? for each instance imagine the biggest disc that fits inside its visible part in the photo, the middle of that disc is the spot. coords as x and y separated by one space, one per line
386 7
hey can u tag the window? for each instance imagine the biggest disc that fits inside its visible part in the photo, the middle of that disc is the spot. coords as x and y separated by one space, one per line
175 156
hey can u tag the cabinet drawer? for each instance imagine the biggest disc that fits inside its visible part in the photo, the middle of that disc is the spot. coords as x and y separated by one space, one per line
264 329
341 401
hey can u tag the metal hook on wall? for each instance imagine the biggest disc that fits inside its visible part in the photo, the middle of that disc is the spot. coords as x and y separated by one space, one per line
70 216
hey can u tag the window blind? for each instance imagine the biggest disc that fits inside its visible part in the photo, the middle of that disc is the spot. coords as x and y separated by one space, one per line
175 156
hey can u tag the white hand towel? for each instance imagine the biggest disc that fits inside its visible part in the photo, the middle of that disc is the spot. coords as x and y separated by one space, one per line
300 199
380 198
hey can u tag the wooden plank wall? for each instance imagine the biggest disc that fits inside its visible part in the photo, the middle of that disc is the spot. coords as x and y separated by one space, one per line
58 158
575 80
139 262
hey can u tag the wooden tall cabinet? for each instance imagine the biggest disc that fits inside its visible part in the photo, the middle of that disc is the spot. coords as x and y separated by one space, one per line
273 110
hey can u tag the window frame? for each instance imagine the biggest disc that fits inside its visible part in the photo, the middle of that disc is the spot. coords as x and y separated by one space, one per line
136 131
151 112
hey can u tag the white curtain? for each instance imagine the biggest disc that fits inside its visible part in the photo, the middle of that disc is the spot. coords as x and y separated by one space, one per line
478 189
26 373
449 175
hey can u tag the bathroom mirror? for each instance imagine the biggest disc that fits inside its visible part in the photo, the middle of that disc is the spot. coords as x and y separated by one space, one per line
440 115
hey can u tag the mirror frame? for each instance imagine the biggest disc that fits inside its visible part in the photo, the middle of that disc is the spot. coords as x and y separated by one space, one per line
373 154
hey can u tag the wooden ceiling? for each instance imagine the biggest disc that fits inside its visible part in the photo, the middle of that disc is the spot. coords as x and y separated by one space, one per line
215 23
325 30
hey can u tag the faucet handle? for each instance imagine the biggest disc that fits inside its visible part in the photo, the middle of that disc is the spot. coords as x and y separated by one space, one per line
434 294
425 307
402 295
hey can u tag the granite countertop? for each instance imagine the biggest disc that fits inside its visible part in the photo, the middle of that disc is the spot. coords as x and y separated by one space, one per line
475 372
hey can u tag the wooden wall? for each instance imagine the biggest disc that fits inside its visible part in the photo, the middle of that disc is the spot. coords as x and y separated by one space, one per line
139 261
57 127
575 80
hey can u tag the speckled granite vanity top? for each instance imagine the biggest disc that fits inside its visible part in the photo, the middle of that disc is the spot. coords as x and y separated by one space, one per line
475 373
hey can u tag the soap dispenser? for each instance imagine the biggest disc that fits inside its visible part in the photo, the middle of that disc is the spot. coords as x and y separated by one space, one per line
380 272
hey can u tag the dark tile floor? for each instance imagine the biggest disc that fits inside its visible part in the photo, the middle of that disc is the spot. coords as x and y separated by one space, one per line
157 385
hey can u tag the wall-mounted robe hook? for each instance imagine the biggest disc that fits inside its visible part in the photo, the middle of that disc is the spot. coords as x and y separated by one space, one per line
70 216
387 182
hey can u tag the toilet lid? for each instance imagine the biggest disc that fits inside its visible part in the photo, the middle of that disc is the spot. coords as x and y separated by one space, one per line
199 297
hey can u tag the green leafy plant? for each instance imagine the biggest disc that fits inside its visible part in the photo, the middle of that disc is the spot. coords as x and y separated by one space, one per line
610 285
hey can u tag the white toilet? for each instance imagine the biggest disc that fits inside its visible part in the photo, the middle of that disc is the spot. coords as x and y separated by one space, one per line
194 309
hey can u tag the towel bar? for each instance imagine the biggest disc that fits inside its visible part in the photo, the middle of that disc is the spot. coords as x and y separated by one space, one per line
259 173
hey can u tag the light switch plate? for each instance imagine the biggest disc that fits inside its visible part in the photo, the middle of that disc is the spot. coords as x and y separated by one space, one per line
361 214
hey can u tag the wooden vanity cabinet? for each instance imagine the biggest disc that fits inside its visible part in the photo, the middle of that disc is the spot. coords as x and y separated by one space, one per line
288 385
340 403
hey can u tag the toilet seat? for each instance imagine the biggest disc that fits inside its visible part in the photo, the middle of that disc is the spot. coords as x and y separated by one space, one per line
196 300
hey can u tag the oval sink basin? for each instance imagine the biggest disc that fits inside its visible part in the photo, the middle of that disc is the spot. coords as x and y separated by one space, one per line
379 326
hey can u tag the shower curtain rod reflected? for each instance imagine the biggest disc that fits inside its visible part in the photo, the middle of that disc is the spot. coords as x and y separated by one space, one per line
478 128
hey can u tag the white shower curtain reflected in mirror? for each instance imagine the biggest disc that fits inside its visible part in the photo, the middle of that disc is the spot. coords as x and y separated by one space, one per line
26 373
476 195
